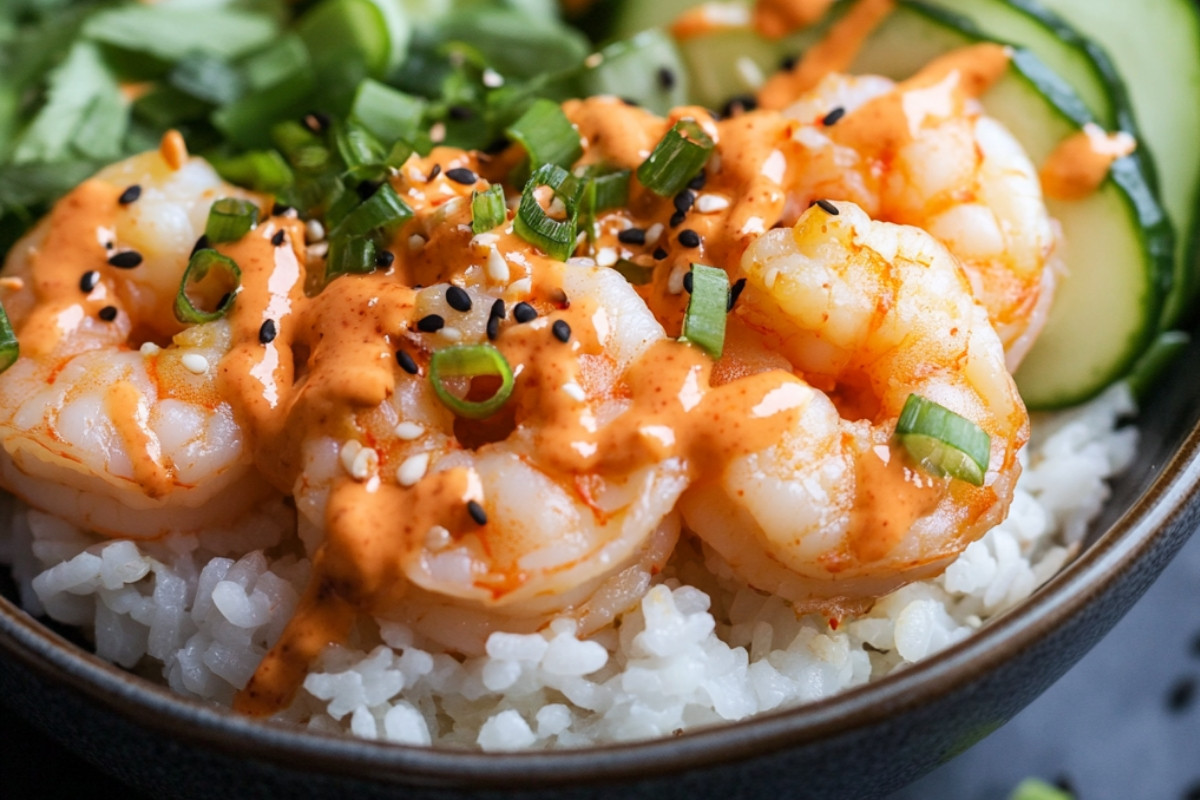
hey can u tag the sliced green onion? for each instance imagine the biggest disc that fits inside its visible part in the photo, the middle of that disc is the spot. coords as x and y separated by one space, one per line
230 219
10 348
201 264
942 442
357 146
386 112
349 255
260 170
470 361
555 237
704 321
676 159
384 209
487 209
1034 789
634 273
300 146
547 135
611 189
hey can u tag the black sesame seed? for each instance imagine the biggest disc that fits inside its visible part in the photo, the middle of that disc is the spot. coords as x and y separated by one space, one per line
277 239
684 201
458 299
689 238
1181 695
735 292
130 195
833 116
437 170
267 331
523 312
659 254
406 362
279 209
109 245
688 281
385 258
316 122
477 513
629 101
127 259
462 175
89 281
493 328
561 331
828 207
697 183
201 244
108 313
677 219
739 104
461 113
497 311
431 323
666 78
632 236
788 62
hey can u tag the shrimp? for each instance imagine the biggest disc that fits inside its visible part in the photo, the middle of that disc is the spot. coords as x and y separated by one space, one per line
834 513
921 153
111 416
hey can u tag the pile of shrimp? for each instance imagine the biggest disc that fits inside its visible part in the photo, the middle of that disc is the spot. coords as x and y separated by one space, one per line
869 269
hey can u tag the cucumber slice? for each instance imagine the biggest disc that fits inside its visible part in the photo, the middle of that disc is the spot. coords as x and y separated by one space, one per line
631 68
1118 242
1156 46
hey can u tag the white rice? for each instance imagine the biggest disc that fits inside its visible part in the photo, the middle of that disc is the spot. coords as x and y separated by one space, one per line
198 613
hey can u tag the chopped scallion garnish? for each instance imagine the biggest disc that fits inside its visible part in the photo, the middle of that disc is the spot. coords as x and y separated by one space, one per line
261 170
611 189
704 321
384 209
943 442
470 362
357 146
547 135
487 209
534 225
223 284
230 219
676 159
10 348
349 254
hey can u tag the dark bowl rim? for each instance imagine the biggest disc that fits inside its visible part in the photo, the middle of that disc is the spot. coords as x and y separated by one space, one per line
1158 509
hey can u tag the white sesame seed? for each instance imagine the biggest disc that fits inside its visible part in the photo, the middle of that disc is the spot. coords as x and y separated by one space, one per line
416 242
750 73
348 452
753 225
492 79
521 288
594 60
606 257
675 280
775 167
484 239
364 465
149 349
318 250
413 469
497 267
407 431
575 391
314 231
451 334
654 233
195 363
437 133
711 203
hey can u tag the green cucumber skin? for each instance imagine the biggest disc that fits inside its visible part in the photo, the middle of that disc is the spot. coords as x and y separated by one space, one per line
1176 28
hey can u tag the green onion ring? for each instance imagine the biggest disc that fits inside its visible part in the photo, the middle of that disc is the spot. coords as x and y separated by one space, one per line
943 442
676 159
230 219
704 320
197 269
470 361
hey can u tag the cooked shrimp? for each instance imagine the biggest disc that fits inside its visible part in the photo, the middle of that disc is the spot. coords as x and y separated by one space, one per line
107 420
923 153
835 512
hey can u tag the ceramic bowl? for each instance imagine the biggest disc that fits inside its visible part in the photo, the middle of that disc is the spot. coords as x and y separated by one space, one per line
860 744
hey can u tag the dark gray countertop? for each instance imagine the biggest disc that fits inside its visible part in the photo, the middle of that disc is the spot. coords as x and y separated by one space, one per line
1124 724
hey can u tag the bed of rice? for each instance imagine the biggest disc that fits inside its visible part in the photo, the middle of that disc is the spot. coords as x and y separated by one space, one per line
198 612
